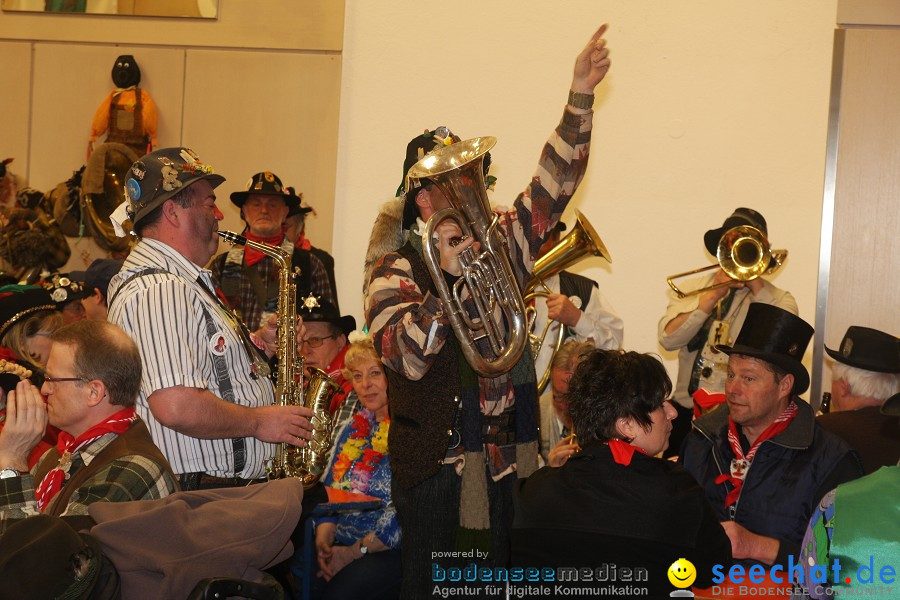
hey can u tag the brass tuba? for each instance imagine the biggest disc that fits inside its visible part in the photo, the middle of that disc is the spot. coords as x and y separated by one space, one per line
306 464
577 244
743 253
458 171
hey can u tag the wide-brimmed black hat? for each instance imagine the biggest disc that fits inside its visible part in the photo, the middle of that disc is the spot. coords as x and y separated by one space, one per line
322 311
267 183
740 216
19 301
156 177
65 288
869 349
776 336
44 557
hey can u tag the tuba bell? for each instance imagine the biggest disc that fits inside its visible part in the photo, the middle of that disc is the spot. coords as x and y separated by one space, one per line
577 244
458 171
743 253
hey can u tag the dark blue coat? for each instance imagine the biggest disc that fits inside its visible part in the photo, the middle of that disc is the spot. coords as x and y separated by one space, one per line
789 474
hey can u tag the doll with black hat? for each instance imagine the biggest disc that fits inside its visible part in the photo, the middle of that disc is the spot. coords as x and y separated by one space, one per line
865 372
128 114
761 457
695 324
249 278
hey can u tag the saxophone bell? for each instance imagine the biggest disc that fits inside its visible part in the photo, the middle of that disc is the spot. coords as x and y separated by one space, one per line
306 464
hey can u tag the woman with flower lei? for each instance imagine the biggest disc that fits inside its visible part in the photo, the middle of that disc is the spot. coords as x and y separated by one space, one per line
359 552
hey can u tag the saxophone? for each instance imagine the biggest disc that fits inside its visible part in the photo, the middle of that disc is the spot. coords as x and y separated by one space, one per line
306 464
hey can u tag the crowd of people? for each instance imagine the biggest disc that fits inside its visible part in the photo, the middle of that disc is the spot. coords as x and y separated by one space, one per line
149 377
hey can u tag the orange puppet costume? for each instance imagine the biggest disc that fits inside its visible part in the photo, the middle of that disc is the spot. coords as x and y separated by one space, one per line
128 114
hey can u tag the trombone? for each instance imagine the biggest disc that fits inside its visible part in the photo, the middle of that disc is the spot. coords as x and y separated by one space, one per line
743 253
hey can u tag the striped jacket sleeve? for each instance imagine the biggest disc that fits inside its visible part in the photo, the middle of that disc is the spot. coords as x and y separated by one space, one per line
408 324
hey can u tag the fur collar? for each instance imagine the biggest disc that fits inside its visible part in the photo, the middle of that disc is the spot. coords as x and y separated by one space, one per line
387 236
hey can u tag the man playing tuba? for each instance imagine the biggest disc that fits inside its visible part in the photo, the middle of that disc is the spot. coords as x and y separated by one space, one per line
458 440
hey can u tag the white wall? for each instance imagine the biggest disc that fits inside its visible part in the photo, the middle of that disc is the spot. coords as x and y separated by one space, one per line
709 105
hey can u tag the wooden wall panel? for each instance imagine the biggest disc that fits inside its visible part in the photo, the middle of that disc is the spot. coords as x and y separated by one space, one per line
247 112
15 72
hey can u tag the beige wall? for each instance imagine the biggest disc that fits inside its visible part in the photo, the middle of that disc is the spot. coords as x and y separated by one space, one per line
709 105
257 89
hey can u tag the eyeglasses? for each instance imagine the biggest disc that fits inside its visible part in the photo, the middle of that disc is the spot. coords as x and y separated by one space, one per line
48 379
315 342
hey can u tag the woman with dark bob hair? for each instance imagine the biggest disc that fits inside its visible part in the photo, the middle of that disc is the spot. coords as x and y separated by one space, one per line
614 502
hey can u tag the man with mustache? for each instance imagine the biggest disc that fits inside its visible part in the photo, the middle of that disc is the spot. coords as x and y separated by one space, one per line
209 408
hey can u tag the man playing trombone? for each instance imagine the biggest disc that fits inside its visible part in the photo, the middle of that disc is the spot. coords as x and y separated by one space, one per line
457 438
695 322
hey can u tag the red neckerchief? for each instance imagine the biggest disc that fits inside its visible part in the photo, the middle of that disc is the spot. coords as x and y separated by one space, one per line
741 464
66 445
704 400
302 242
623 452
335 371
253 256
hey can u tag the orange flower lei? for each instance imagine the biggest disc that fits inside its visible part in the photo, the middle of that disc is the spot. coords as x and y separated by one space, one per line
355 457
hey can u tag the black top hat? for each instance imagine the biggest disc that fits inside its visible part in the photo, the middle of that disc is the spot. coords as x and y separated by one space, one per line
869 349
322 311
776 336
19 301
267 183
740 216
158 176
44 557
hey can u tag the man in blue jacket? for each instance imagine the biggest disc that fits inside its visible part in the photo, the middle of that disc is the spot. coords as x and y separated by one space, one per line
762 459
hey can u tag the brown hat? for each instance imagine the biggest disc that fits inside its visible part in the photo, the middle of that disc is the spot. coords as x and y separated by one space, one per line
776 336
868 349
43 557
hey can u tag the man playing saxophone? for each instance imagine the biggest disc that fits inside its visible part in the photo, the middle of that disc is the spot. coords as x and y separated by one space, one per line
458 440
205 394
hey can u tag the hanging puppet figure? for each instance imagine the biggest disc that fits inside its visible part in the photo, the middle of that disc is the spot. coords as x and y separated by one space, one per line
128 114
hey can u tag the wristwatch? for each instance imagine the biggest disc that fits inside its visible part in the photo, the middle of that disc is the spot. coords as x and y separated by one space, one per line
8 472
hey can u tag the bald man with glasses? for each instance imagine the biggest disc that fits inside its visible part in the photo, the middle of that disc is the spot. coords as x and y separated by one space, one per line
104 452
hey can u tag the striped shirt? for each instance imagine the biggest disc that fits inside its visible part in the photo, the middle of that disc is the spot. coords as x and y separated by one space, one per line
128 478
164 314
409 325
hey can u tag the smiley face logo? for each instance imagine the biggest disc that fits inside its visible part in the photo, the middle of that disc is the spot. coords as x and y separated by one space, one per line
682 573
